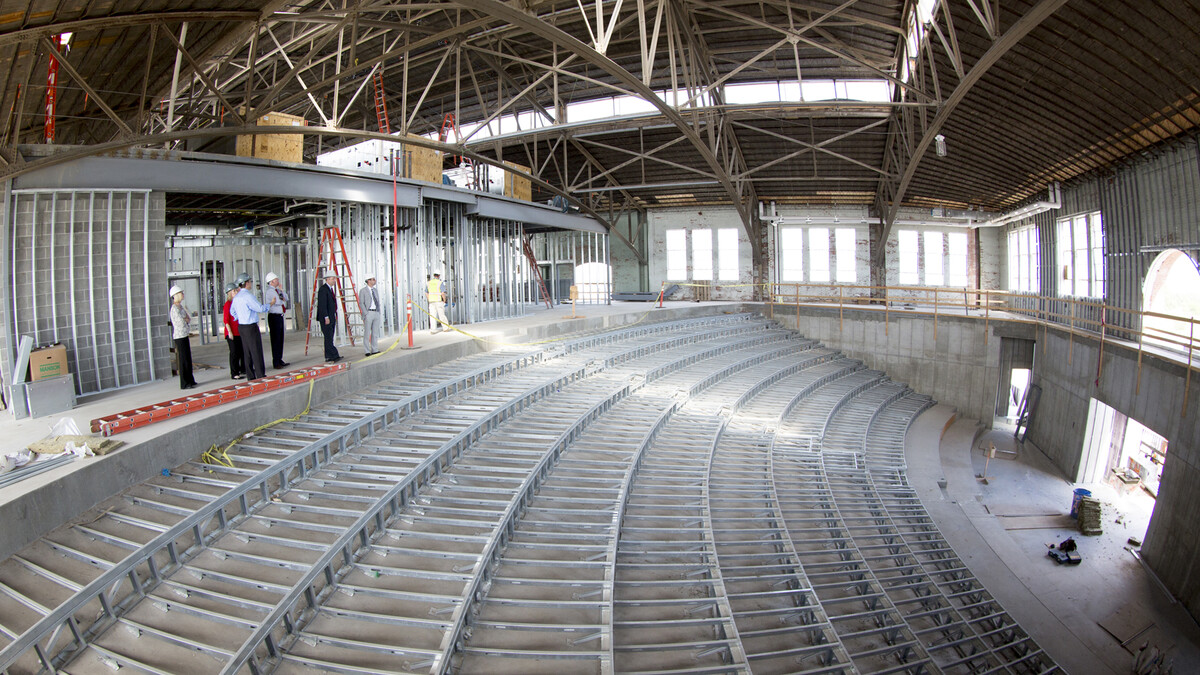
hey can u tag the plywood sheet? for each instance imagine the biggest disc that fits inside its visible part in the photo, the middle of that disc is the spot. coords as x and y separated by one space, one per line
279 147
517 187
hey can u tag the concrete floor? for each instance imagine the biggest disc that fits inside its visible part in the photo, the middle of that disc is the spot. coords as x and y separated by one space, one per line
1002 530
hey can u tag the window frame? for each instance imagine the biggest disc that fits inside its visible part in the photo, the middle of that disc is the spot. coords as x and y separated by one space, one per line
728 257
906 276
702 264
679 273
818 242
793 273
845 255
1080 244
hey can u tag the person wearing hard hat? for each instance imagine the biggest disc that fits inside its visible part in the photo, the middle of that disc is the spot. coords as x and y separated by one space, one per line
436 294
275 296
245 309
372 309
233 339
327 315
181 328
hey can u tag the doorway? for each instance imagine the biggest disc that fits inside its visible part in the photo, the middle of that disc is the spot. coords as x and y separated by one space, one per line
1016 374
1121 450
1017 386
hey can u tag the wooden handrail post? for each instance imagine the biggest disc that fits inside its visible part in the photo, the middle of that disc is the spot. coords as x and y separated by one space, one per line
841 322
797 287
887 310
1100 357
935 314
987 306
1071 330
1187 383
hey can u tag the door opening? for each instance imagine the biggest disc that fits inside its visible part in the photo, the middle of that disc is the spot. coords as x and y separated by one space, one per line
1119 449
1016 390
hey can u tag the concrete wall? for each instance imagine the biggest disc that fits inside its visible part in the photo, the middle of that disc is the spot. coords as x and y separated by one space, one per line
1065 368
949 362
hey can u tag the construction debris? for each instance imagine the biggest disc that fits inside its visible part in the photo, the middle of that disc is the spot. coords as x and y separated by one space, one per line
1090 514
56 445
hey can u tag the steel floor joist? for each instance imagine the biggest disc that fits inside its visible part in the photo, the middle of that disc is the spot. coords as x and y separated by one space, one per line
712 495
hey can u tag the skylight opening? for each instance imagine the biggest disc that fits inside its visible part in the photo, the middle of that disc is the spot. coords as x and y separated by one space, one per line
878 91
748 93
918 22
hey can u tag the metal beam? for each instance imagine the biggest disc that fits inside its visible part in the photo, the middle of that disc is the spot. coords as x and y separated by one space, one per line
120 21
533 24
208 83
1022 27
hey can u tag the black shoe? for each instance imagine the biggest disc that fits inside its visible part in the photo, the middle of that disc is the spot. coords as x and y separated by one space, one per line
189 386
239 376
282 364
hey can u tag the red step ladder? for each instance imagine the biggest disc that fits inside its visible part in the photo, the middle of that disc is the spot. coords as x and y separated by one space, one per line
140 417
331 255
381 113
527 241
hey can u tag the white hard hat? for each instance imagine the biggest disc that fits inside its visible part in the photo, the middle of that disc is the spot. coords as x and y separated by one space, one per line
271 276
370 278
174 289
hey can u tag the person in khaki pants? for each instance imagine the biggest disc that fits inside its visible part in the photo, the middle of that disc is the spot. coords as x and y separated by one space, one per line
435 293
372 309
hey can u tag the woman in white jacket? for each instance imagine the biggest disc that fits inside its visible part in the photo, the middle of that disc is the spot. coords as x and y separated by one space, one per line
181 327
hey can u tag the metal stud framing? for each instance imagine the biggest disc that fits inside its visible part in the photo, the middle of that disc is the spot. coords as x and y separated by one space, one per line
711 495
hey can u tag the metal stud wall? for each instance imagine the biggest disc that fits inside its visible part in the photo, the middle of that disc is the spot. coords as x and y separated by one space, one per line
562 254
495 272
87 269
202 263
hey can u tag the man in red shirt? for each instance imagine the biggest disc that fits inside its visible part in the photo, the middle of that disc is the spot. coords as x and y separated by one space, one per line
237 366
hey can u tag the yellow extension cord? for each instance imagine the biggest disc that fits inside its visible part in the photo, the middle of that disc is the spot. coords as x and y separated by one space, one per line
216 455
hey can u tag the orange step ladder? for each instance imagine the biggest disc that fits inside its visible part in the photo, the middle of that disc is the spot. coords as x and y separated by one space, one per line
331 255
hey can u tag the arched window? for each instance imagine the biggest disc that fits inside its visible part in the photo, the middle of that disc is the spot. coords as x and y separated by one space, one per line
1172 287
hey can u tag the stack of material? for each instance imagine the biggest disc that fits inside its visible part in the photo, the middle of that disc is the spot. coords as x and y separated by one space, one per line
1089 515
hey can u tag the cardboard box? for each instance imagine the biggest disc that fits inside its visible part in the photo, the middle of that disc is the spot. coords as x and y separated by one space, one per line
48 362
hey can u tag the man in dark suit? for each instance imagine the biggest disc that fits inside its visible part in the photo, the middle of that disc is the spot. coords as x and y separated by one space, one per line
327 315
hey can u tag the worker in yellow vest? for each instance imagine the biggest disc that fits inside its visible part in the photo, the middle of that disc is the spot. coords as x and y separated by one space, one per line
436 294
